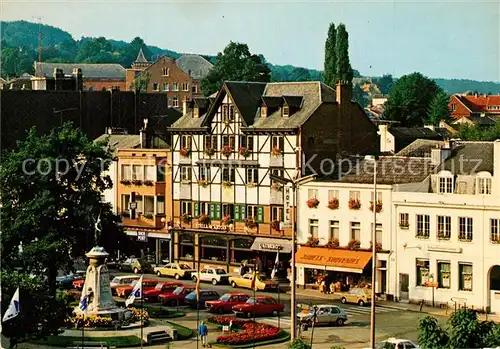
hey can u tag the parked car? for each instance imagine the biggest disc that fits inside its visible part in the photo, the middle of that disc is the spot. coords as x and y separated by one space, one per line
125 291
395 343
214 275
260 305
176 270
123 280
78 284
262 283
226 302
66 281
177 296
205 295
325 315
359 296
136 265
151 295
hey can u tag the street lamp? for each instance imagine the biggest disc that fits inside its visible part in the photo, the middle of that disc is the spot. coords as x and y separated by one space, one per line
431 283
295 184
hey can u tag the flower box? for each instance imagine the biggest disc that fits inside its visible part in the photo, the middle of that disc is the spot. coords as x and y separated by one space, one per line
276 151
147 216
209 151
332 243
354 204
404 225
204 219
276 187
227 220
125 182
378 246
185 152
312 203
148 183
378 206
333 204
244 151
312 242
442 236
495 241
226 150
203 183
250 223
137 182
186 218
354 244
227 184
275 225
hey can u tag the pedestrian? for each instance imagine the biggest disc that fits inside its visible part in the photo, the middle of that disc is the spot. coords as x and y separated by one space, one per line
203 333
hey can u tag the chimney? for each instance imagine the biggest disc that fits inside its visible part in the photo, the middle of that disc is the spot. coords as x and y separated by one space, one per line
78 78
438 155
343 92
143 136
383 131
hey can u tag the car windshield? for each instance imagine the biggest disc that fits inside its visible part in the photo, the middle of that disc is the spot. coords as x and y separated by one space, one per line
159 286
225 297
184 266
251 301
178 290
220 271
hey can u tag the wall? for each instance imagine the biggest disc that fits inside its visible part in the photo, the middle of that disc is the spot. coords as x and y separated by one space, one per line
91 111
460 109
110 194
98 85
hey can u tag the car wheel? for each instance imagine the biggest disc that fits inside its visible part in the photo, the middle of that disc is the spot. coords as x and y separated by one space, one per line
340 322
136 271
234 284
214 282
177 276
361 303
275 313
220 310
343 300
249 315
158 273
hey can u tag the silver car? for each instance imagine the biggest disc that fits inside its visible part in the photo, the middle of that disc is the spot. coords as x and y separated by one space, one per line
326 314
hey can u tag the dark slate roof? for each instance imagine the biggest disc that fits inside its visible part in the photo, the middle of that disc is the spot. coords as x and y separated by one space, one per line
293 101
201 102
195 65
390 170
487 120
272 102
247 97
140 57
187 121
116 142
468 158
420 148
406 135
89 70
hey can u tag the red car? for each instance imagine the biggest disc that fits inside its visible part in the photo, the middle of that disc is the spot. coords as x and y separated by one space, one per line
151 295
260 305
177 295
78 284
225 303
147 284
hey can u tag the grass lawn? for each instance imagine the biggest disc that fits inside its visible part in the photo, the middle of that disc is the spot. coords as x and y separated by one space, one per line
182 331
162 313
283 337
65 341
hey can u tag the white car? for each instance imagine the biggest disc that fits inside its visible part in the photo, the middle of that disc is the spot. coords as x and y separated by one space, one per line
395 343
213 275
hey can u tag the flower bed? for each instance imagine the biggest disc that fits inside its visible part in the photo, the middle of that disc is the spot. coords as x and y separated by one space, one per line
90 321
312 203
250 332
138 315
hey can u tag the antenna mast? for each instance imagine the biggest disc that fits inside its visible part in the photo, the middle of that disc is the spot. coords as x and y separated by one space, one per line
39 43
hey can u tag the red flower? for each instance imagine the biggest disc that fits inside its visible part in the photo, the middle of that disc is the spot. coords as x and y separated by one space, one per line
312 203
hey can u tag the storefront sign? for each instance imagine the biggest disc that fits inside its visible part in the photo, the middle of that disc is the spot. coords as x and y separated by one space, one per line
271 245
214 227
436 248
288 198
266 246
142 236
331 260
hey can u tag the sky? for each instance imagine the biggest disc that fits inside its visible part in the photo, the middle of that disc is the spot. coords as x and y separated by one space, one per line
448 39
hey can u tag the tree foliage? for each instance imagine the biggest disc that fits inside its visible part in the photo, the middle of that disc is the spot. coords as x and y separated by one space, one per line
410 98
385 83
330 66
479 132
141 83
438 109
235 63
344 69
360 96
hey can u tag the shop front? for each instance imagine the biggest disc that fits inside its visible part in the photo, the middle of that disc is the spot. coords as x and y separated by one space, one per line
330 270
153 246
267 250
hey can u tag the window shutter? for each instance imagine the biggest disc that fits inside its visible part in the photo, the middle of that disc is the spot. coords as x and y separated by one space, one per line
212 211
242 212
196 209
260 214
237 212
217 213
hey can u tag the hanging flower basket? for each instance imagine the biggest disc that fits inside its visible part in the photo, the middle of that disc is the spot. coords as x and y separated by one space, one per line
209 151
186 218
148 183
354 245
378 206
312 242
378 246
354 204
332 243
276 151
203 183
244 151
227 184
125 182
185 152
204 219
147 216
250 223
226 150
312 203
333 204
275 225
227 220
276 187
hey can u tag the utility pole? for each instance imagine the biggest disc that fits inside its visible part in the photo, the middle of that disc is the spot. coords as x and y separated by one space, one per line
39 43
374 255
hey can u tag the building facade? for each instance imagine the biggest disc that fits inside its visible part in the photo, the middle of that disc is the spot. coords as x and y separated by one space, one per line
474 106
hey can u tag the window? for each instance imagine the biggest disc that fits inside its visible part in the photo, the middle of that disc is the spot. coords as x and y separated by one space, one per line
185 207
160 205
379 196
204 173
444 274
246 141
495 230
137 172
185 86
312 193
422 271
286 111
278 173
186 142
175 86
165 71
231 112
453 107
165 86
149 172
232 142
149 204
253 212
423 226
334 230
443 227
203 208
404 220
465 277
277 213
210 142
228 174
313 228
378 232
169 102
224 113
278 142
175 102
445 185
156 86
185 173
126 172
252 175
194 89
333 194
263 112
138 200
354 195
465 228
228 141
355 231
484 186
160 173
125 202
228 210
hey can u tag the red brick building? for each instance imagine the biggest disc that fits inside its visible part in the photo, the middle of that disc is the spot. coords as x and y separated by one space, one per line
474 106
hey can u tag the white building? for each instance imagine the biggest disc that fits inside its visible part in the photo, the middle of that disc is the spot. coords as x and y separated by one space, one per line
447 232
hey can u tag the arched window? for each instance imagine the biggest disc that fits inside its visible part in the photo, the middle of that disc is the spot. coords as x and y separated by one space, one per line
445 182
483 184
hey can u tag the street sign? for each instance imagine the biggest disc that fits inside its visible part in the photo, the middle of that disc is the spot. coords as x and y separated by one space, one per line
142 236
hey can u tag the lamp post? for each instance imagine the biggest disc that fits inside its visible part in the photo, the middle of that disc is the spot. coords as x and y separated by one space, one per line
431 282
295 184
374 253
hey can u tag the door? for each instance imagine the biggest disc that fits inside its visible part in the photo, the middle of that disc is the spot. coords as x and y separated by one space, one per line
204 274
404 282
246 281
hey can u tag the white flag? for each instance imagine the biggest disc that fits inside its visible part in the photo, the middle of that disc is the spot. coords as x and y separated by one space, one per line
275 268
14 309
84 301
136 292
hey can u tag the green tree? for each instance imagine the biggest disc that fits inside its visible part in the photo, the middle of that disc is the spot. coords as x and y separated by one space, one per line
16 61
330 73
95 50
479 132
430 335
300 74
141 83
298 344
360 96
409 99
235 63
438 109
385 83
344 69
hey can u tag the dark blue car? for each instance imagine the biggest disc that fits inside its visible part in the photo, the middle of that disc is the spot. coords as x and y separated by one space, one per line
205 295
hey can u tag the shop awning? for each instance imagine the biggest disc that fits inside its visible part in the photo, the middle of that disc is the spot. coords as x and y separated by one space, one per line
332 259
272 245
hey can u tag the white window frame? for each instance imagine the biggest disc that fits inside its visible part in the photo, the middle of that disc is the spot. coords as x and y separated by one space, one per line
440 276
160 204
484 183
355 195
204 173
404 219
313 231
312 193
165 86
424 271
186 207
334 230
186 173
423 226
185 86
333 194
186 141
462 276
465 228
252 175
175 86
228 174
126 174
252 212
156 86
277 213
203 208
443 227
175 102
355 231
286 110
137 172
125 201
445 184
495 230
194 89
150 173
165 71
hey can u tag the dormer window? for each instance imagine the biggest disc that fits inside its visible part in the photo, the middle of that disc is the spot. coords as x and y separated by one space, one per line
286 111
263 112
483 183
445 183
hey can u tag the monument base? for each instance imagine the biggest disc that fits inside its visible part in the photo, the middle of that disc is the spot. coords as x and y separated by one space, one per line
115 313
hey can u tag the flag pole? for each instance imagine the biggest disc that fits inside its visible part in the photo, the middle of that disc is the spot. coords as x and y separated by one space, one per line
142 310
279 291
198 304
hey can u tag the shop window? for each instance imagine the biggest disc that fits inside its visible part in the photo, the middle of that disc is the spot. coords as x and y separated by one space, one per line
495 230
160 205
228 174
443 227
125 202
277 213
213 240
333 194
444 274
185 207
160 173
149 173
138 200
137 172
356 231
252 176
334 230
465 275
204 173
465 228
312 193
313 228
228 210
126 172
423 226
149 204
185 173
354 195
422 268
242 243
